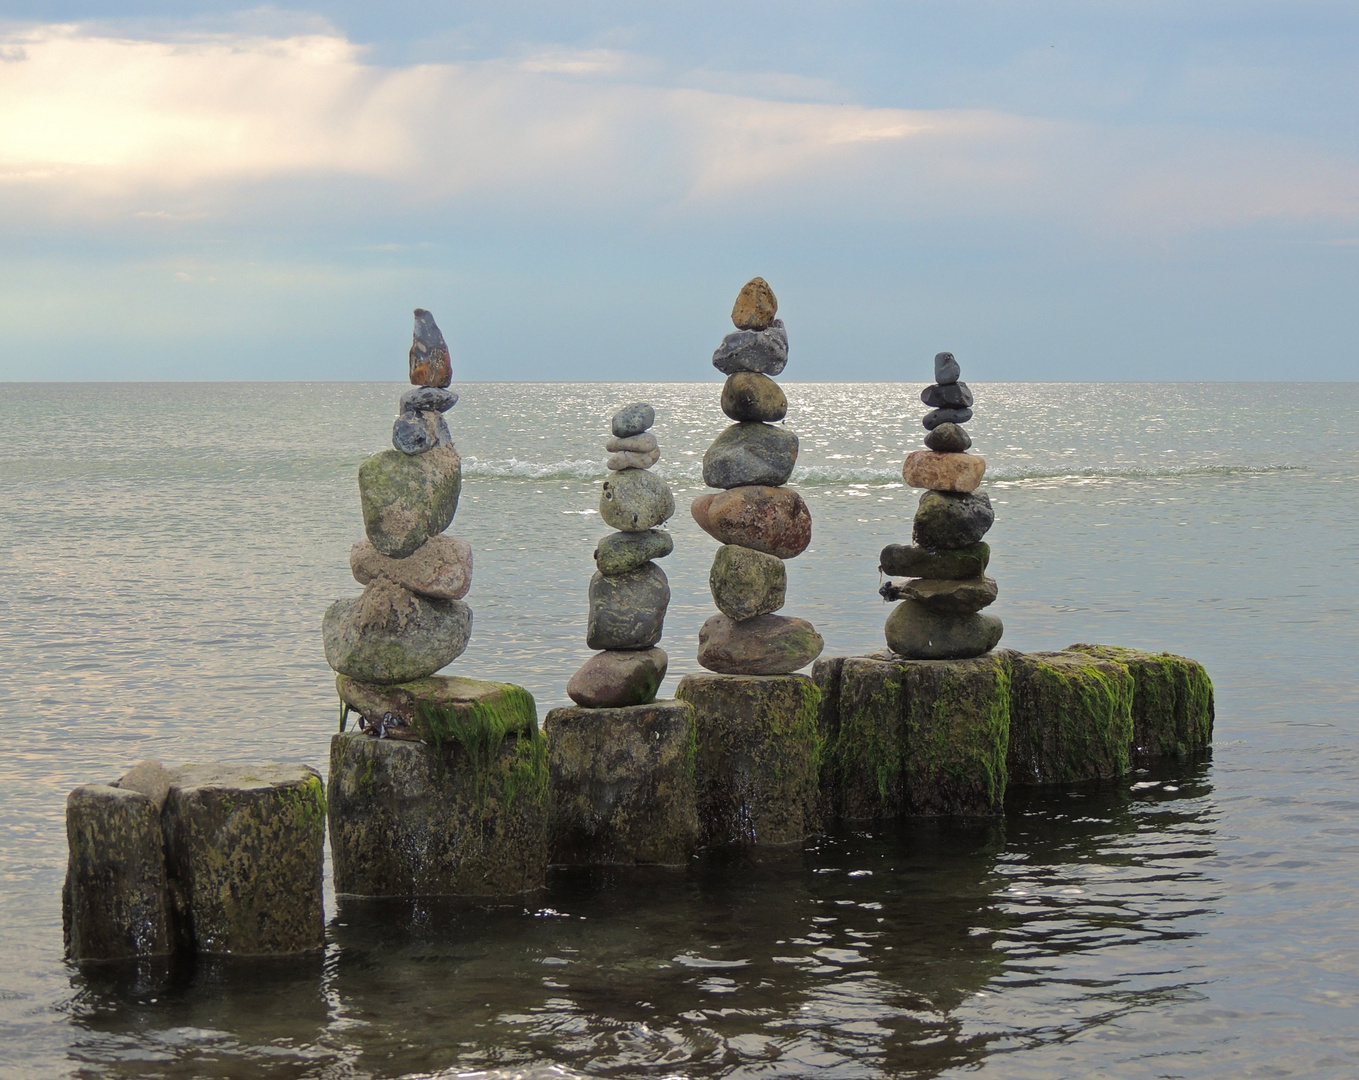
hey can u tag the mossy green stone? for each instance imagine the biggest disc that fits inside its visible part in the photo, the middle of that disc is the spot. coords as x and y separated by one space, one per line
1071 718
406 499
745 582
505 705
758 757
623 552
906 560
1172 701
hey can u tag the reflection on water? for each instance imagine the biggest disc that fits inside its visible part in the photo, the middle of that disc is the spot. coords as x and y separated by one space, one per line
866 953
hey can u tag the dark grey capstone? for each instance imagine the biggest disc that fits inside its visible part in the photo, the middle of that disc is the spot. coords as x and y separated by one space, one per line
947 396
750 453
916 632
622 552
428 399
764 351
948 438
946 520
900 560
933 419
418 432
628 611
633 419
946 368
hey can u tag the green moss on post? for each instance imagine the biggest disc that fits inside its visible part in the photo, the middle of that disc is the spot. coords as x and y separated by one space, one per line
1070 719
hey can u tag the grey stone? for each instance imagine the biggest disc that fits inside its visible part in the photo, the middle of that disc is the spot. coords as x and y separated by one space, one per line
764 351
901 560
633 419
390 635
116 901
621 552
746 583
617 678
406 500
947 396
409 819
440 568
758 754
916 632
428 399
635 500
149 777
748 395
948 438
627 611
750 454
951 597
419 432
946 368
946 520
633 444
935 417
243 845
764 645
622 784
626 459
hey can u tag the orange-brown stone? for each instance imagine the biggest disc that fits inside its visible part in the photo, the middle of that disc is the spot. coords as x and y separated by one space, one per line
755 305
430 363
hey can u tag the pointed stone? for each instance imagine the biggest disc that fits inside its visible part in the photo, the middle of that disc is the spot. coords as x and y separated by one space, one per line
430 363
946 368
755 305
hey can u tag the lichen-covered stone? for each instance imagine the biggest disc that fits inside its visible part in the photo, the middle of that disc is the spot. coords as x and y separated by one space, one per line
618 678
406 500
916 632
632 420
627 611
774 520
1070 718
470 698
623 784
914 736
759 757
243 846
905 560
440 568
115 903
946 520
635 500
623 552
745 582
764 645
466 817
748 395
748 454
390 635
1172 705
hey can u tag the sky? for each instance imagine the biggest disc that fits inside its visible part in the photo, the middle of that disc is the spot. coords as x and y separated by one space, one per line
1107 190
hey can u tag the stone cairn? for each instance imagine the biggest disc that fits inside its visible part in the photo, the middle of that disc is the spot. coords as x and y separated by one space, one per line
939 617
759 521
629 593
410 620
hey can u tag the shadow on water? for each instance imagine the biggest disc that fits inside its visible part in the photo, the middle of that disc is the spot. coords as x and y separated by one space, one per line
906 949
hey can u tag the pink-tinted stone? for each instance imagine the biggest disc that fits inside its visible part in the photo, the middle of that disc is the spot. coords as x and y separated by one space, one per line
943 472
441 567
774 520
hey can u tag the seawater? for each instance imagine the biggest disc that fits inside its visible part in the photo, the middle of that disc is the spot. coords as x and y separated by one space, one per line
166 552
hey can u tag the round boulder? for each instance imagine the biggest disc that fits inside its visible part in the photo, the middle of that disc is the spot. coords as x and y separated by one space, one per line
915 632
748 395
765 645
617 678
746 583
635 500
774 520
389 635
945 520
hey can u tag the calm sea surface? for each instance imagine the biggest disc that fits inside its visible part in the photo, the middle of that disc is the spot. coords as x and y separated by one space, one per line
166 552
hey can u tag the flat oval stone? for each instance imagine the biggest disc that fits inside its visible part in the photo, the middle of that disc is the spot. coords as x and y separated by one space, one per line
428 399
935 417
627 611
765 645
628 460
634 500
615 679
774 520
440 568
750 453
748 395
633 444
406 500
946 368
915 632
946 520
621 552
948 438
947 396
430 363
764 351
390 635
746 582
755 305
902 560
633 419
952 597
943 472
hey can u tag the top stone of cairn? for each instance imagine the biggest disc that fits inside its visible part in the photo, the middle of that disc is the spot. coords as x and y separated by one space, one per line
946 369
755 305
430 365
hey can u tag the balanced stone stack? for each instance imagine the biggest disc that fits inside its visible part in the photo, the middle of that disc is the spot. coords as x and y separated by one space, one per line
443 788
757 738
939 617
629 593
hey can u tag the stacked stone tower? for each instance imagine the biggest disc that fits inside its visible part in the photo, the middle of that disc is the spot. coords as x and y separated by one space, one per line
759 521
629 592
939 617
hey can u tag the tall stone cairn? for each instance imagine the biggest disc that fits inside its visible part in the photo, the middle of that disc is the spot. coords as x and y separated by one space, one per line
411 620
629 593
759 522
940 614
